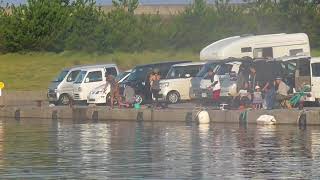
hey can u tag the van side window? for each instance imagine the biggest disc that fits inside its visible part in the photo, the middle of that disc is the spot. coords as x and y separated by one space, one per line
304 68
263 52
294 52
94 76
72 76
224 69
112 71
246 49
316 69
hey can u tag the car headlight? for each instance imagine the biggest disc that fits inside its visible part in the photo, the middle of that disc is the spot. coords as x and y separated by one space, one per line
55 90
163 85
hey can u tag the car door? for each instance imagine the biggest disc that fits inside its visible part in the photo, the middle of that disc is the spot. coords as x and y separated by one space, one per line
92 80
67 85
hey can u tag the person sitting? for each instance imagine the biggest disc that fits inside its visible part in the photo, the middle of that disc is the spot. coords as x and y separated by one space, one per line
129 95
257 98
282 93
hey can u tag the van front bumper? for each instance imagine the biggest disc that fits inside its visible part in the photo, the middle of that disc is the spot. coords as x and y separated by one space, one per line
52 97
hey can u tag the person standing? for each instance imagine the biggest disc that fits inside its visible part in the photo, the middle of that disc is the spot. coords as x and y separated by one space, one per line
114 90
215 87
281 92
154 81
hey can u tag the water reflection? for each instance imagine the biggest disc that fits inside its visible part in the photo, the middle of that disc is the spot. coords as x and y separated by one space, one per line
109 150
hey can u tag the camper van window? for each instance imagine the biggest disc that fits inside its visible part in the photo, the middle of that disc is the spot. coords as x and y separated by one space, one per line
72 76
95 76
112 71
294 52
316 69
304 68
263 52
246 49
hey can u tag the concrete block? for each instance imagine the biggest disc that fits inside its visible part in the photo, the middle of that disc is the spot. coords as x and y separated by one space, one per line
173 115
313 117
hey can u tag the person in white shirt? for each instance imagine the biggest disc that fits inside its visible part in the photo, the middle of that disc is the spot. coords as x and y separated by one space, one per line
215 86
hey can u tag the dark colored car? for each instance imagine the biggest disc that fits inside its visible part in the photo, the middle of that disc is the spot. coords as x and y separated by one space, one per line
139 78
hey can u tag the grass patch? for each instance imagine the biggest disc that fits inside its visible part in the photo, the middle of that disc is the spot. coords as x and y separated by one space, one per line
34 71
315 52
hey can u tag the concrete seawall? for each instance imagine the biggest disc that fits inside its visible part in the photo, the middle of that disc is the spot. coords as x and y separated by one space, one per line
297 117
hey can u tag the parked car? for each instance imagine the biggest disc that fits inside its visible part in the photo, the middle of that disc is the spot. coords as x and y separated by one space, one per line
60 91
91 78
257 46
177 85
139 78
99 95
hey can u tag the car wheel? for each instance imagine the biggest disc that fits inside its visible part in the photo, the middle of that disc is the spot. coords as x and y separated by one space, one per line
173 97
108 100
139 99
64 99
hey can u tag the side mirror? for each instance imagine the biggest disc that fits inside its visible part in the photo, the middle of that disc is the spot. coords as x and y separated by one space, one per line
187 75
86 80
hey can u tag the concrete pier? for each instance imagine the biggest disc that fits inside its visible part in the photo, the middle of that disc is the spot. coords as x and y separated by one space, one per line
282 116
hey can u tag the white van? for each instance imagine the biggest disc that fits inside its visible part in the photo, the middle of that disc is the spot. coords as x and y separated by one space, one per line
259 46
177 85
305 71
227 72
60 91
90 78
99 95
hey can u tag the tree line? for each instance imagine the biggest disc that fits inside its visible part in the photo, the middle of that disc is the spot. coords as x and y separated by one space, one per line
80 25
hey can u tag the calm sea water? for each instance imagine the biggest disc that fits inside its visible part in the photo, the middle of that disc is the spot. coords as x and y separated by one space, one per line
106 2
34 149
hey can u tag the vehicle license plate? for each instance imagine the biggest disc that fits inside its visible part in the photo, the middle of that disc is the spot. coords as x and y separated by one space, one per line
204 95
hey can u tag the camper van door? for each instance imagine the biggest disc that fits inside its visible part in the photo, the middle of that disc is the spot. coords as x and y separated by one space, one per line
315 77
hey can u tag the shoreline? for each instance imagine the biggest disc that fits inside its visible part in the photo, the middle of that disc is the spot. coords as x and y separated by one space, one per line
297 117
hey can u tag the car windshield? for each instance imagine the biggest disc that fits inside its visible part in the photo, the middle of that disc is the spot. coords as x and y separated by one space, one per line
121 75
61 76
183 71
206 68
139 73
80 77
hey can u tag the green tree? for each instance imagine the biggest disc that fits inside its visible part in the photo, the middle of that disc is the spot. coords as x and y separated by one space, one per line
36 26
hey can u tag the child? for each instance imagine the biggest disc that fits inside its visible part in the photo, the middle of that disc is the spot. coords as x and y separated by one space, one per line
257 98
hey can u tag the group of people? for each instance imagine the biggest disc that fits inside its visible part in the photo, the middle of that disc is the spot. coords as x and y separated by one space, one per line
254 89
128 97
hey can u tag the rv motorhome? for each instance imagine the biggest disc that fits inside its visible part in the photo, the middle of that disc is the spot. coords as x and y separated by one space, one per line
257 46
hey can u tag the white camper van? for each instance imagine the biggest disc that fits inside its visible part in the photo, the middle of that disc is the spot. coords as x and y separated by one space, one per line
257 46
91 78
60 91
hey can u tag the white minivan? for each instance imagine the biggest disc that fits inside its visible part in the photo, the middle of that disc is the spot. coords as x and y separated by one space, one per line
99 95
90 78
177 85
60 91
